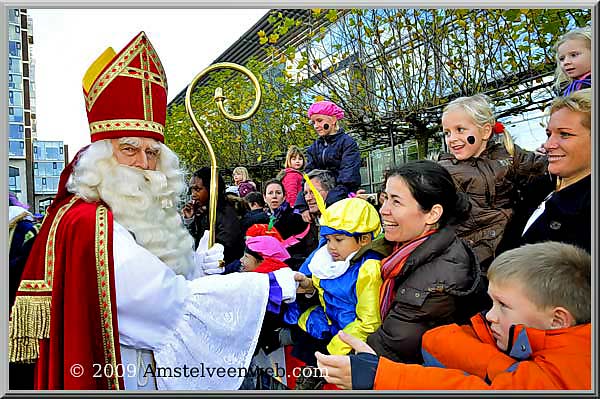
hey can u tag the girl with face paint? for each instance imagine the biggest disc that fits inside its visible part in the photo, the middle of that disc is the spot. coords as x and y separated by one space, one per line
487 170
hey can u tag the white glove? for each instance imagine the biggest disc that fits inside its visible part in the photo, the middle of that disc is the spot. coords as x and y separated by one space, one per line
285 279
210 259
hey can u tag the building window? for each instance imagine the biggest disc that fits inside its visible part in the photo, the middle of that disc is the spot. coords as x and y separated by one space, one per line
52 153
16 148
16 115
15 98
43 181
60 149
44 204
35 149
16 13
54 165
14 65
35 165
14 48
14 80
17 29
14 180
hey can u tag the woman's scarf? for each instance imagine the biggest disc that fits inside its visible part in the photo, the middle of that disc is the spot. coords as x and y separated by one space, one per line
391 267
275 215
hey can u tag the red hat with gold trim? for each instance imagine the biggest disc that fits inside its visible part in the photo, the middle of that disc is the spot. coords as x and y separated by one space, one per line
126 93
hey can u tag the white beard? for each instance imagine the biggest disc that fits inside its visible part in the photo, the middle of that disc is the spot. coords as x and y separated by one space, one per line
142 203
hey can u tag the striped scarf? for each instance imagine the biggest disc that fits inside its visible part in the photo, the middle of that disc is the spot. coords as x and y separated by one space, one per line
391 267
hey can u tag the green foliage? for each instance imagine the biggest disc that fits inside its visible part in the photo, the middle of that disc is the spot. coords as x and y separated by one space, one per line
396 68
279 122
392 70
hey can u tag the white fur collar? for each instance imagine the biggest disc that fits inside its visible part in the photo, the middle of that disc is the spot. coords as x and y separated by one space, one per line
324 267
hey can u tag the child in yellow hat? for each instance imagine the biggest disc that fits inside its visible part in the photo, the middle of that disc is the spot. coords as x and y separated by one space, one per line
345 272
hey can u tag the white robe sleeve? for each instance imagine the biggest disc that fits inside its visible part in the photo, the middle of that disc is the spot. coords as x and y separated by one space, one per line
208 326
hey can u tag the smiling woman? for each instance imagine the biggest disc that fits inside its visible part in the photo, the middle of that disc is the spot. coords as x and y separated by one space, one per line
565 215
432 276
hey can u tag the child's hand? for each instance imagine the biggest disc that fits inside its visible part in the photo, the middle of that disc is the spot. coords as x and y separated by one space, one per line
335 369
305 285
356 344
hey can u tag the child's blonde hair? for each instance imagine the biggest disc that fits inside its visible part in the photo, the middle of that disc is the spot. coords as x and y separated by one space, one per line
479 108
584 34
550 273
240 170
294 151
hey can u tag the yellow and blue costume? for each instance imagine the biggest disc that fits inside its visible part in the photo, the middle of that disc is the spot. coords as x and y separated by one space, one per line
348 290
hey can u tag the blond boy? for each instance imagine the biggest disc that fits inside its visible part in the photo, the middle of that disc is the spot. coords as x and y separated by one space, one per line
536 336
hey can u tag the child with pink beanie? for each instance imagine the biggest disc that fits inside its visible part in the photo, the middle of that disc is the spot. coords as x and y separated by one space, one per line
334 151
264 254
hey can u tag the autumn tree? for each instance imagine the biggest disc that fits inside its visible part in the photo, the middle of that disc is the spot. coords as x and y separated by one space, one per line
259 143
393 70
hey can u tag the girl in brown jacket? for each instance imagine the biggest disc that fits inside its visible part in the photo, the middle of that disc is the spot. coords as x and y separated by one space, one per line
490 173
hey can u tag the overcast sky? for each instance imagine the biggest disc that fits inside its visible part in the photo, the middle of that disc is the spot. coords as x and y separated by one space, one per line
67 41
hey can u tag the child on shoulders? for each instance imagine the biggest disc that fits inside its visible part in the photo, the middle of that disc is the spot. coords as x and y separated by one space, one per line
291 176
334 151
488 171
574 61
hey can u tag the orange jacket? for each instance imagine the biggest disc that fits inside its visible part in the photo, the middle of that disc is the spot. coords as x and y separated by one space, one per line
466 357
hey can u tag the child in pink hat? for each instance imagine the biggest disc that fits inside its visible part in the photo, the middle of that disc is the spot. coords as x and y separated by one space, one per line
264 254
334 151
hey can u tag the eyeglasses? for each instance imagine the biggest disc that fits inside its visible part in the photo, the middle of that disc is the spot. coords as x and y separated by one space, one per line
322 192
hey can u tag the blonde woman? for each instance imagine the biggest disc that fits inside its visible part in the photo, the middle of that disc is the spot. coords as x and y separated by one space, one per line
565 214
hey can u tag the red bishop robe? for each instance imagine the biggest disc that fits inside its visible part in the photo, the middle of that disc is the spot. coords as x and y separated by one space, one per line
65 310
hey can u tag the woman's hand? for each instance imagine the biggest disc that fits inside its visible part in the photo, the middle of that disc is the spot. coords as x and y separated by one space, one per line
337 369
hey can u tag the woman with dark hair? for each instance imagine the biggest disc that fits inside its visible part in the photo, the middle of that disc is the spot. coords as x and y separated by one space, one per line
431 273
195 215
289 224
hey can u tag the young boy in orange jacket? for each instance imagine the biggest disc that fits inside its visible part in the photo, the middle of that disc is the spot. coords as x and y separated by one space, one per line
536 336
